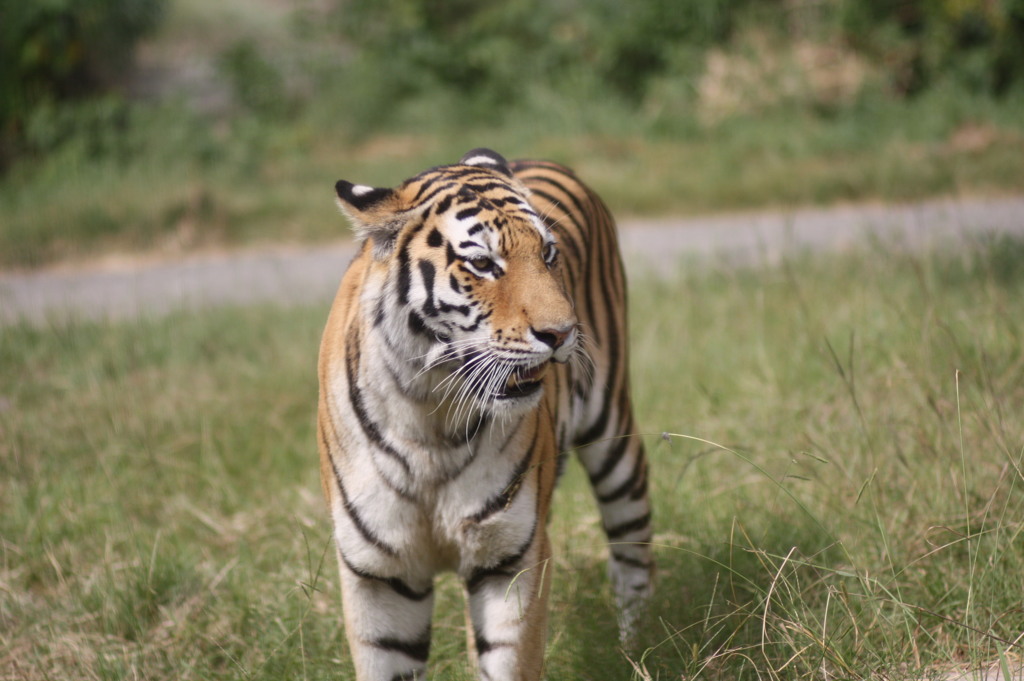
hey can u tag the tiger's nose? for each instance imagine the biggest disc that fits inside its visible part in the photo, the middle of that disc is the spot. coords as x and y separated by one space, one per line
553 337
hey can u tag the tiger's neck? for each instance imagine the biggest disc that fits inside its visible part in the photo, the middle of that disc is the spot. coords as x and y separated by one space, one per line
423 406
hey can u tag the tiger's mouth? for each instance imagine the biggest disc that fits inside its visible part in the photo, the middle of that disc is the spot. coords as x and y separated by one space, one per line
523 381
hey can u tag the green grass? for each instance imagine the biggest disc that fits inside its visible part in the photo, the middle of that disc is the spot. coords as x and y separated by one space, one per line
175 182
160 512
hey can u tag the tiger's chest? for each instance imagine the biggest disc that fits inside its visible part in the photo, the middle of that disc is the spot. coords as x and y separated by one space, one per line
448 505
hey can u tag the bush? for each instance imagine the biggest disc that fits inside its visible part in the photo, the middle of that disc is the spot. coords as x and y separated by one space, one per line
975 44
258 86
491 58
489 54
63 49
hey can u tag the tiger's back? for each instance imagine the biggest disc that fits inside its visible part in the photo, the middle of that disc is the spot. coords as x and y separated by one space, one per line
593 275
452 377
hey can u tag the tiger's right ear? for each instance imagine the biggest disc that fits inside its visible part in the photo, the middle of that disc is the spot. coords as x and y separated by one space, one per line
374 212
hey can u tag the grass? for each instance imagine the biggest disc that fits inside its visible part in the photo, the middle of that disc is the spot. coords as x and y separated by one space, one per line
178 183
161 518
874 500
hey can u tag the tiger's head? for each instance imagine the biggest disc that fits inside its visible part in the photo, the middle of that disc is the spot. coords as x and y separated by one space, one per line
467 283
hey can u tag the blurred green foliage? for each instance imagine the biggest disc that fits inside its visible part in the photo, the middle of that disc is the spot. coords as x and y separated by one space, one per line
976 44
444 62
56 50
257 85
668 105
493 56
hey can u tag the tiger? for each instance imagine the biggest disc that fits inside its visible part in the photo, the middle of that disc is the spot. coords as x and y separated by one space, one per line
478 335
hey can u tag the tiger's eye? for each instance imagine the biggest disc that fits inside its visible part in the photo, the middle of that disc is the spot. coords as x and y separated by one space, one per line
550 253
482 263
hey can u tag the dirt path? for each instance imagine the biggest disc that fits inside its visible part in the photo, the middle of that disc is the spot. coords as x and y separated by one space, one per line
311 274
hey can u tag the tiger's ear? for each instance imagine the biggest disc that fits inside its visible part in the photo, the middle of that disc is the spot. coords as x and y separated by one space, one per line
374 212
486 158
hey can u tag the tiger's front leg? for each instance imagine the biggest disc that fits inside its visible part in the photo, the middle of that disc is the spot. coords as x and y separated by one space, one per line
387 623
508 615
617 468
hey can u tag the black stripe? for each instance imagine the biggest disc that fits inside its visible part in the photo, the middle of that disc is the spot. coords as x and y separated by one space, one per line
634 562
399 383
404 278
629 526
426 184
369 427
595 430
521 166
434 239
571 195
350 509
405 494
428 197
396 584
418 326
611 460
443 205
448 307
418 649
486 186
353 513
475 324
404 275
468 212
484 646
427 271
575 218
503 499
640 491
556 224
465 464
627 486
502 567
608 335
390 343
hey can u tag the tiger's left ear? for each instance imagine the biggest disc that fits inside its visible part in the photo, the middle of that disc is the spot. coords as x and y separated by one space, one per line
486 158
374 212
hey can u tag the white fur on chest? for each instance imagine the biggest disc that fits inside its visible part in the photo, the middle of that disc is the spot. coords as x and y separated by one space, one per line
446 517
492 475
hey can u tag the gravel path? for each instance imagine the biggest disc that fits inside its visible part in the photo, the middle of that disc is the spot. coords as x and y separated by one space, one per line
311 274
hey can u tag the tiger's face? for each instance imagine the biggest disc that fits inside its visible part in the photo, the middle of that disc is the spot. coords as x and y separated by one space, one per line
470 283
